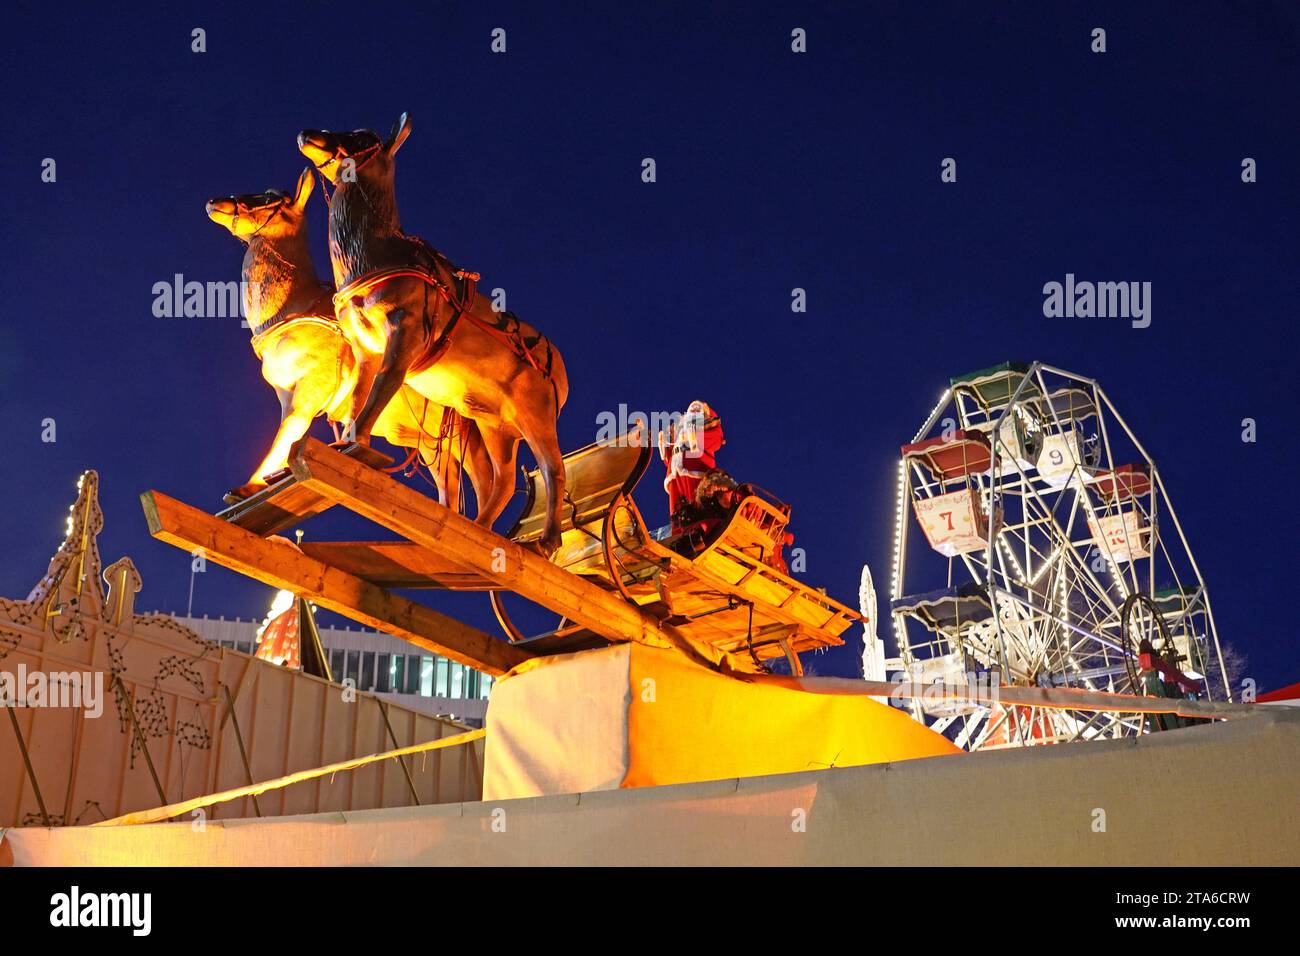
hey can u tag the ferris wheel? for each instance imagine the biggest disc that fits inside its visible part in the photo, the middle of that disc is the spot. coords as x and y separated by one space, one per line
1035 542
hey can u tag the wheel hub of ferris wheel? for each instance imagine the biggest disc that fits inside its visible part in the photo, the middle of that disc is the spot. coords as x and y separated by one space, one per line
1035 545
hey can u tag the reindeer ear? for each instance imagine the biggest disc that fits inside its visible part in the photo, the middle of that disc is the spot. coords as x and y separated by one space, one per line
401 130
302 192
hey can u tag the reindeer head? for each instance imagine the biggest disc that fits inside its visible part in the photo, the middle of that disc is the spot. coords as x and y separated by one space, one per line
330 152
271 215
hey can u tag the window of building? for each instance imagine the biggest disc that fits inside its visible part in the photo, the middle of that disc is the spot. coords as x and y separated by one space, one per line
367 681
336 665
442 682
426 676
384 673
398 673
457 681
412 683
354 666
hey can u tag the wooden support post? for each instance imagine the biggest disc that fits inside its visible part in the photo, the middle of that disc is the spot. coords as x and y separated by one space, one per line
27 762
281 565
383 709
239 739
450 536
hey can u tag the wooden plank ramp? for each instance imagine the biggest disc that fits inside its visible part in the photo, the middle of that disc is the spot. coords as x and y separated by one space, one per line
442 549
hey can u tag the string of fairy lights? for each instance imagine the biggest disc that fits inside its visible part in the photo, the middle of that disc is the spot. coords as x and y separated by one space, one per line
900 518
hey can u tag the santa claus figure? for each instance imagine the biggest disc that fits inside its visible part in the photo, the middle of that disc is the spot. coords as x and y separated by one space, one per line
689 451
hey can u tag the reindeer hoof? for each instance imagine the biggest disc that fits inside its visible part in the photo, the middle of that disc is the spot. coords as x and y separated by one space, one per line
549 544
235 495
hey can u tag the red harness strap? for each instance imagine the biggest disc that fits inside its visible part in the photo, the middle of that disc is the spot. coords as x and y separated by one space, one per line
437 345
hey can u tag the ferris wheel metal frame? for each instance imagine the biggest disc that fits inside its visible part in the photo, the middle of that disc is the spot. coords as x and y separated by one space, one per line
1070 557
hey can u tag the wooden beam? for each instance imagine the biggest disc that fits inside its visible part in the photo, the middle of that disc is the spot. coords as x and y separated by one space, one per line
454 538
395 564
281 565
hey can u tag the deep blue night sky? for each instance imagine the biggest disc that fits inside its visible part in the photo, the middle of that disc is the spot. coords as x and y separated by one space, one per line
775 170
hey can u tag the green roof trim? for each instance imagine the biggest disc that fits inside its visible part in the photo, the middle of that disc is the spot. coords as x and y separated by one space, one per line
994 385
993 371
1177 600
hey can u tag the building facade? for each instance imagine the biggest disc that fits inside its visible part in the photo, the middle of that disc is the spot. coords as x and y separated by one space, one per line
377 663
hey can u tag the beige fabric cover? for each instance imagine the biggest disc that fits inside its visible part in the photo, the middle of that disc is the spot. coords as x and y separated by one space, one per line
1227 790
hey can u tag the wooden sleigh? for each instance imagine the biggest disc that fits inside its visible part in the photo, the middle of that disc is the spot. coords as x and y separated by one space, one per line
719 589
612 579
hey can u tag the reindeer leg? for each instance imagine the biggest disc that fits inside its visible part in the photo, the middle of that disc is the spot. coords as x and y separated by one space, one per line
367 367
273 462
448 479
540 434
298 408
475 460
500 447
446 463
358 329
403 339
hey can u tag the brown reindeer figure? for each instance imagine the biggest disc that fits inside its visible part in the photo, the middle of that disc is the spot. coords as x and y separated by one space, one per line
413 317
305 356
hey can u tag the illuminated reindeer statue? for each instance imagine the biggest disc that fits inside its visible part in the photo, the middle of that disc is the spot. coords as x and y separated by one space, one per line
305 356
413 317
